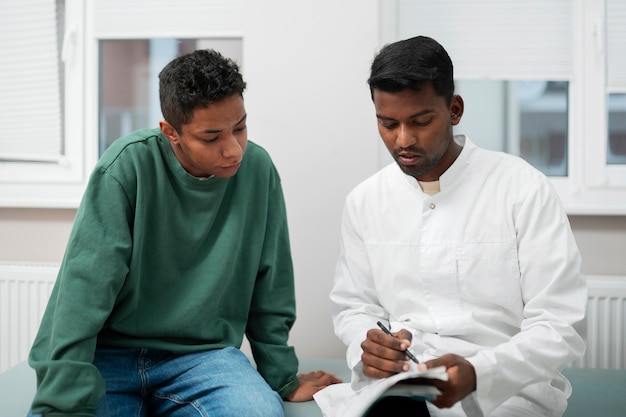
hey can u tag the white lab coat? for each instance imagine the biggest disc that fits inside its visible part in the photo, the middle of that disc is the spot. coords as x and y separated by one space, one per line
487 268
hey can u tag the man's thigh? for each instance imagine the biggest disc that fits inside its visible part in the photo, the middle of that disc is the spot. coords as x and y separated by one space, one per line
216 383
120 369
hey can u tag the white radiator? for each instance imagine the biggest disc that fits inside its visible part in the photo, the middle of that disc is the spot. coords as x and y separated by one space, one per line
25 289
24 292
606 323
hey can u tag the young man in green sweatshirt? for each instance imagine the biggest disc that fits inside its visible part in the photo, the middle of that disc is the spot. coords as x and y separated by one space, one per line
180 248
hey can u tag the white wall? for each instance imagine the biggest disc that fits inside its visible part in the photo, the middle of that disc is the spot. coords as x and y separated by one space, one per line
306 65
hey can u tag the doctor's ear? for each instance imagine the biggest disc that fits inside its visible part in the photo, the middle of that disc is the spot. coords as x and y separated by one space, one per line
456 109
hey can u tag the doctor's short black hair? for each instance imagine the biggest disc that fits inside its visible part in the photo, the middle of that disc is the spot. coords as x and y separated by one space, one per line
409 64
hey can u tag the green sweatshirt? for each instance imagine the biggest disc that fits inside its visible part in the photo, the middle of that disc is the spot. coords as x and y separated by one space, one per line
160 259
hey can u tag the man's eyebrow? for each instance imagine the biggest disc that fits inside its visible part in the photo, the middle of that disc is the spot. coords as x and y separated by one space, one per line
418 114
243 119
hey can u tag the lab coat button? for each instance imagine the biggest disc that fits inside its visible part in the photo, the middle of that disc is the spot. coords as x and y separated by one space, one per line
432 205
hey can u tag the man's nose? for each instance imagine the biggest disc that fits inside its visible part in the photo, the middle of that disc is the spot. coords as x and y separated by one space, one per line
406 137
232 148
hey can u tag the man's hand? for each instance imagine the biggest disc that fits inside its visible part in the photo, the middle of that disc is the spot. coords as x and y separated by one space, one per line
383 355
461 379
311 383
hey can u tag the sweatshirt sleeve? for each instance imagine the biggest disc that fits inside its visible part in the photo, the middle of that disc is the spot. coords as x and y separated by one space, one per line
272 311
91 274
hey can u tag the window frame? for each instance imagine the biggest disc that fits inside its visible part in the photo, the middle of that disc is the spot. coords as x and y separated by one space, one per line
57 182
592 186
61 183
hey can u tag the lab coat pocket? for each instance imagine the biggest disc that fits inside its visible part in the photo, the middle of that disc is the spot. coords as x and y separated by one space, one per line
489 273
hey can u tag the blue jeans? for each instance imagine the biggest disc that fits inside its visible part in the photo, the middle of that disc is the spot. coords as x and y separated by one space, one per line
215 383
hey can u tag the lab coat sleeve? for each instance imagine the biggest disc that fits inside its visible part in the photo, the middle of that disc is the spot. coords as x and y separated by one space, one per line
355 304
554 292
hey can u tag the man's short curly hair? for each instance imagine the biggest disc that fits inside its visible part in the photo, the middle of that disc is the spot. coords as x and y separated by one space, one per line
196 80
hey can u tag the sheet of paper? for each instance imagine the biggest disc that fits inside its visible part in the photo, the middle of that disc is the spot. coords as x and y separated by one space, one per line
341 400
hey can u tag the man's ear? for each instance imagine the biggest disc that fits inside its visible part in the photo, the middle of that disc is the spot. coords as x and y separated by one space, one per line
168 131
456 109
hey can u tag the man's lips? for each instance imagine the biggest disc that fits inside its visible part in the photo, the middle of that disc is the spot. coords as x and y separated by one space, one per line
233 166
408 158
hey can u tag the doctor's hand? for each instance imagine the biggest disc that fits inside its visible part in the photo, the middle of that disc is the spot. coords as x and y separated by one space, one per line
461 379
383 355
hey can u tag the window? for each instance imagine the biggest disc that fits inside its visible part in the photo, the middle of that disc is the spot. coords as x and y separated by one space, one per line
616 150
39 151
129 85
526 118
46 161
30 70
616 83
545 80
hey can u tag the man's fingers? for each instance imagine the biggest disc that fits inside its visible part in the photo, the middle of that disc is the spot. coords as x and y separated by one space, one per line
377 367
383 354
376 373
446 360
319 378
382 345
404 334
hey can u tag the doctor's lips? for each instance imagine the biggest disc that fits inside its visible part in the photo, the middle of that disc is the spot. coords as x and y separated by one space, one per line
407 158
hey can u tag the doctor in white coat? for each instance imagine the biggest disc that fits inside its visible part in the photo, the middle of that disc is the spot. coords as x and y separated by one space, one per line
465 254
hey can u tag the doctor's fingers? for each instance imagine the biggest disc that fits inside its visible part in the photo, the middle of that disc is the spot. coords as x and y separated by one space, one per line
461 379
381 361
398 341
451 393
384 352
404 334
377 367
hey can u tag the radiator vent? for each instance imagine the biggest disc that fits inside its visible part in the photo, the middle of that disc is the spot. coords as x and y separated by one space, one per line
25 289
606 323
24 292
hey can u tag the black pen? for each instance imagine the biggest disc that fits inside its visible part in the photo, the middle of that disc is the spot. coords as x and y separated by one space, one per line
406 352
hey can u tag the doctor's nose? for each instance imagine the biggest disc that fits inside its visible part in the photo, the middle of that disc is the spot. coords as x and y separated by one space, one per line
405 137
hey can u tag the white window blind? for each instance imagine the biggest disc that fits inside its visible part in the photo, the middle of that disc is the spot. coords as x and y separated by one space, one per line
616 46
514 39
166 18
30 93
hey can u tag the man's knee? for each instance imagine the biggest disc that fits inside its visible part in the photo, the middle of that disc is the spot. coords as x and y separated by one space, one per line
261 402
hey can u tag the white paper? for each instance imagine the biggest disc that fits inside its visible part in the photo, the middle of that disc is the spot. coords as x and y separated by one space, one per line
341 400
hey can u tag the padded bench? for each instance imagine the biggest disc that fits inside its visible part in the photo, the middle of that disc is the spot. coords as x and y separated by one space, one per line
599 392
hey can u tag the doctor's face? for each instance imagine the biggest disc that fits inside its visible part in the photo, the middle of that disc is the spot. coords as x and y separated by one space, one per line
416 127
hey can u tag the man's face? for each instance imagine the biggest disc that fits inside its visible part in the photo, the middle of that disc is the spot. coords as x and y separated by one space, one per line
214 140
416 127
